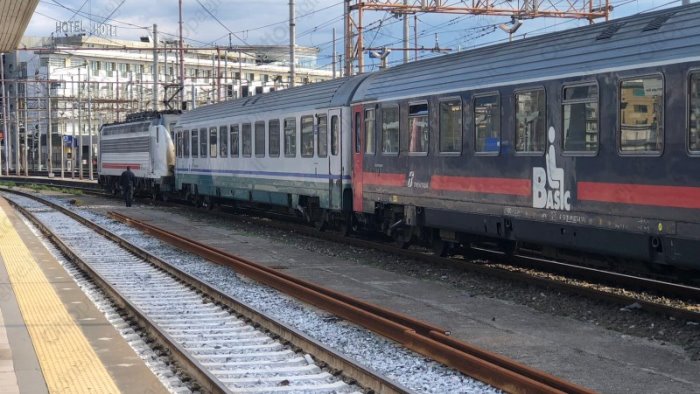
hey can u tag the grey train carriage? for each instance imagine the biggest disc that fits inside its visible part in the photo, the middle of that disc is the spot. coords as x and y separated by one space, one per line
585 140
287 148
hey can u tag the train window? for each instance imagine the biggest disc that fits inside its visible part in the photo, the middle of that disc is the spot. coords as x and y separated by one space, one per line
234 140
369 131
307 136
451 125
274 137
335 135
487 124
195 143
290 137
694 114
203 143
178 144
580 115
390 130
247 140
223 141
322 142
213 142
641 115
358 142
530 121
186 144
260 139
418 128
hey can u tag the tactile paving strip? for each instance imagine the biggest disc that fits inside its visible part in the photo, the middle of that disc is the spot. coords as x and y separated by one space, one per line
68 361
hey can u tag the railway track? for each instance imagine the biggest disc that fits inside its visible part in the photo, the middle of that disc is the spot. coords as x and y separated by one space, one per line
213 338
609 286
423 338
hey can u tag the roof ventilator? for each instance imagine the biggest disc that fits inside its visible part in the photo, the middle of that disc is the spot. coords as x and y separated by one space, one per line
657 22
610 31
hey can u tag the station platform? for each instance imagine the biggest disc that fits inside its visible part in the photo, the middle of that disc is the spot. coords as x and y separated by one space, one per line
52 337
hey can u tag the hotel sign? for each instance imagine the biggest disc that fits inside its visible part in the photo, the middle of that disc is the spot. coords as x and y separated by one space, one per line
92 28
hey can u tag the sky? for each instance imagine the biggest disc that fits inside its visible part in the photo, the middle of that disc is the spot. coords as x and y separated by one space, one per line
255 22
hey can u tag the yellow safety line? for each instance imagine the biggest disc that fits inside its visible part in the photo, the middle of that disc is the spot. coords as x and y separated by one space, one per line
68 361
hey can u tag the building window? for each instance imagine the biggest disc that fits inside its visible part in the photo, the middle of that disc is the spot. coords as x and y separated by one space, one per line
369 131
694 114
234 141
580 115
487 124
322 141
203 143
390 130
307 136
530 131
260 139
641 115
247 139
418 128
274 137
195 143
290 137
223 143
451 126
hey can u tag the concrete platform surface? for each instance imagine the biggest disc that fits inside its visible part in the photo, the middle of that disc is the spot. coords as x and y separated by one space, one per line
52 337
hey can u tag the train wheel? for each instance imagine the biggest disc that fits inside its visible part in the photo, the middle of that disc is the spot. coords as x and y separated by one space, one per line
322 222
403 236
348 225
441 247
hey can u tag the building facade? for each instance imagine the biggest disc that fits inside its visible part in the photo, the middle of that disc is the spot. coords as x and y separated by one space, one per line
68 87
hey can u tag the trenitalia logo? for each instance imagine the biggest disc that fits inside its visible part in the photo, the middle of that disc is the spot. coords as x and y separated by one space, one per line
548 186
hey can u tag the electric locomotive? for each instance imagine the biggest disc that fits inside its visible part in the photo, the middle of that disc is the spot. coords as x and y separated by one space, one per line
144 143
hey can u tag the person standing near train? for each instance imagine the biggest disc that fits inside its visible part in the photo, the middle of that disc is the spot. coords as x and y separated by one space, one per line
128 181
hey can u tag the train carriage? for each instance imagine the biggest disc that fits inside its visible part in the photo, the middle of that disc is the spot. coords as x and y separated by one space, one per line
585 139
288 148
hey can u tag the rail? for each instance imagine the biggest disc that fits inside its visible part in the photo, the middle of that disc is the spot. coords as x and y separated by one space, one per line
432 342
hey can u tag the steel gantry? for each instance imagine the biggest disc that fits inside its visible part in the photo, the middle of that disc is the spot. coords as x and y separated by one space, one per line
515 9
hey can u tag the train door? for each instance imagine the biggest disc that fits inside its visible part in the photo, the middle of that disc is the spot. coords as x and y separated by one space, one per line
335 160
357 157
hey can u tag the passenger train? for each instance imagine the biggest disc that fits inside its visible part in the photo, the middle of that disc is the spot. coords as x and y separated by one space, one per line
585 140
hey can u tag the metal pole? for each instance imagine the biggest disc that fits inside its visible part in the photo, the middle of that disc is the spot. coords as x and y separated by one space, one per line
347 39
415 35
334 54
72 144
80 124
240 75
226 73
182 64
406 36
155 67
18 119
5 132
218 75
89 125
26 132
360 43
49 138
292 44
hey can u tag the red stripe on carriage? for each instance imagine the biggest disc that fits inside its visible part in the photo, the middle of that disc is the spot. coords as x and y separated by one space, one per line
664 196
509 186
120 166
383 179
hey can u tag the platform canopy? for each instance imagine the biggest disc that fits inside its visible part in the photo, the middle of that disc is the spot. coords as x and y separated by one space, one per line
14 18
